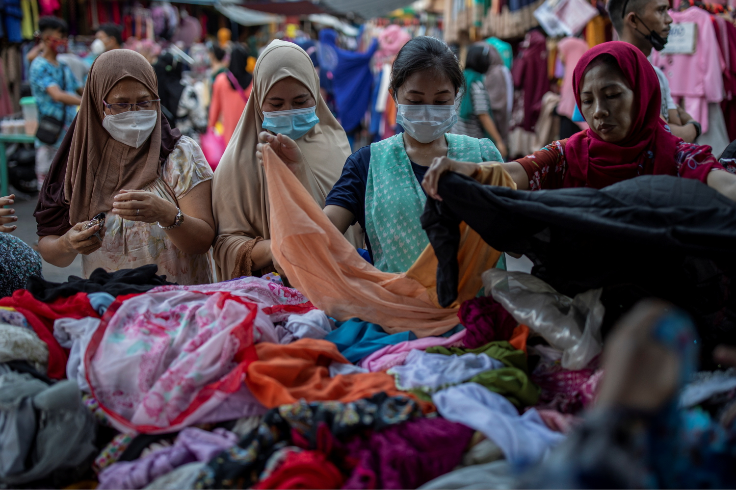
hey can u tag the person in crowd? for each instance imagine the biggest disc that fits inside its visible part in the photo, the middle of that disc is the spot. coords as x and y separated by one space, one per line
218 63
107 37
55 88
645 24
285 108
426 78
230 92
619 96
179 100
499 87
474 108
125 189
18 261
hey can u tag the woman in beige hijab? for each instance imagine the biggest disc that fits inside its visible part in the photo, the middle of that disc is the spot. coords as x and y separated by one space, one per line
285 100
146 186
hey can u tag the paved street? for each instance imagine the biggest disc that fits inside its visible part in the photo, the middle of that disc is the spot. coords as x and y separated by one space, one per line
27 232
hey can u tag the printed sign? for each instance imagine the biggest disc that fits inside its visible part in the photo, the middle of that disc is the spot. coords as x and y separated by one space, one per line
682 39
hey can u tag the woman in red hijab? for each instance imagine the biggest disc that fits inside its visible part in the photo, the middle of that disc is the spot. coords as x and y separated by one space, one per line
618 93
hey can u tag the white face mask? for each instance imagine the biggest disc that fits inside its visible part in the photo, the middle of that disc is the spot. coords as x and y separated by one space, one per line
426 123
131 128
97 47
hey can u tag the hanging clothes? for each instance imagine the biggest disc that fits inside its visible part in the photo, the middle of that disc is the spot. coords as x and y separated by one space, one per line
530 73
504 49
571 50
696 77
352 79
29 25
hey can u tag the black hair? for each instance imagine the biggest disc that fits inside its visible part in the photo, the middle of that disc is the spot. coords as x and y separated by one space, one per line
618 10
53 24
217 52
114 31
477 58
425 53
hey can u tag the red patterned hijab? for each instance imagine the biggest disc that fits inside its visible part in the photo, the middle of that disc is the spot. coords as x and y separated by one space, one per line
649 148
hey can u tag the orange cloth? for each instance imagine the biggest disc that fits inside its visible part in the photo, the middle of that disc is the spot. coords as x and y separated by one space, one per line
286 373
226 105
519 337
327 269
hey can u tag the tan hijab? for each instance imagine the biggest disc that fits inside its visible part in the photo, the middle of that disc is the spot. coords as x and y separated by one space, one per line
240 201
98 165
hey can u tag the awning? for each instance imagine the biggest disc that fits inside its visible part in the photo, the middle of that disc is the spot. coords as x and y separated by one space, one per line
299 7
365 9
247 17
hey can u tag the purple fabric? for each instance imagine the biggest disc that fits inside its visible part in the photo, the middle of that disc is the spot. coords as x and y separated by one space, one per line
407 455
485 321
395 354
192 445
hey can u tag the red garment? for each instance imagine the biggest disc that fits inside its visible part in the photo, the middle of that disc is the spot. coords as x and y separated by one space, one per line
595 163
485 320
41 317
530 72
309 469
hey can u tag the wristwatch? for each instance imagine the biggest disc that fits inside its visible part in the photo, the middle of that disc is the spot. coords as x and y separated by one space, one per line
177 221
697 125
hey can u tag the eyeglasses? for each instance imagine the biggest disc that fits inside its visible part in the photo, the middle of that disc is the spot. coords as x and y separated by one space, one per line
121 107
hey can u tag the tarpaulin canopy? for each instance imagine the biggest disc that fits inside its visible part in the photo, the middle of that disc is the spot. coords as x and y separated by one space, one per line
247 17
298 7
363 8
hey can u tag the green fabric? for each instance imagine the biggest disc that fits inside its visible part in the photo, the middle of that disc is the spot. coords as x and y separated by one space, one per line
499 350
504 49
466 110
511 381
395 200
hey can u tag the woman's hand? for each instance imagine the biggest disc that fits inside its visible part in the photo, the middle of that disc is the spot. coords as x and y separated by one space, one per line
441 165
7 214
284 147
144 206
79 240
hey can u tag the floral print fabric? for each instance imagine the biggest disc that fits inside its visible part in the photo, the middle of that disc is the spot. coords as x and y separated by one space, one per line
129 244
177 356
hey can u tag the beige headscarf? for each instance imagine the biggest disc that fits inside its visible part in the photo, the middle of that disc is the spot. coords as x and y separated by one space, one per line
98 165
240 201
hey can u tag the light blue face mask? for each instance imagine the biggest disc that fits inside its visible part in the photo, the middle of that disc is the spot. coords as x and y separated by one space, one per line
294 123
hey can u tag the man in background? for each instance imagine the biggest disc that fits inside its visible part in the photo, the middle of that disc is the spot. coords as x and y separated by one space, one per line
646 25
107 37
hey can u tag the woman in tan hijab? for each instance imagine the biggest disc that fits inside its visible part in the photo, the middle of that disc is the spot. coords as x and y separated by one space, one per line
285 100
121 163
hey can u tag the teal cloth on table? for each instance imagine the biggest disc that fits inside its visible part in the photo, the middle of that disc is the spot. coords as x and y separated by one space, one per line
356 339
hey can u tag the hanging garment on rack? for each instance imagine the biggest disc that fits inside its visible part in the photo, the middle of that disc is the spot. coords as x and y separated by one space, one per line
13 15
570 50
29 24
530 74
696 77
6 107
504 49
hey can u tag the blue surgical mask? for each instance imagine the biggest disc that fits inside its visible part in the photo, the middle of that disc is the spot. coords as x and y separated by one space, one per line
294 123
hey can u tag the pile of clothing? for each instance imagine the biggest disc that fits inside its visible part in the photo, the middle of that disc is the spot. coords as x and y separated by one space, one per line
360 379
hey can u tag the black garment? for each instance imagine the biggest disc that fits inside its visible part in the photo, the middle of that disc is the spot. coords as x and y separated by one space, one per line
169 73
123 282
659 236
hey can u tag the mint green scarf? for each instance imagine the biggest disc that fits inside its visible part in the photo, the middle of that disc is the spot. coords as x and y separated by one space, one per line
395 200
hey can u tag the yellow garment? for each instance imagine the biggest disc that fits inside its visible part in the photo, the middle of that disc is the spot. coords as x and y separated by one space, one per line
328 270
29 23
595 32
